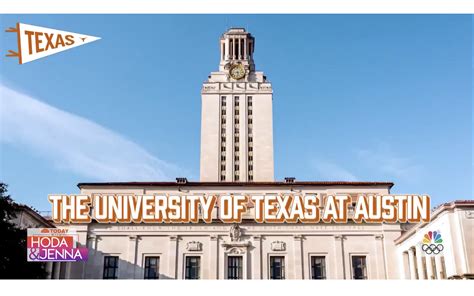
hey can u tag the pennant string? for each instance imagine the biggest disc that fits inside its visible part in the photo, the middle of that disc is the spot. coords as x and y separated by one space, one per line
11 30
11 53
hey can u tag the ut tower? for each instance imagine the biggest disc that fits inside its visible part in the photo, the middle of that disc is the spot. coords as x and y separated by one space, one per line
236 123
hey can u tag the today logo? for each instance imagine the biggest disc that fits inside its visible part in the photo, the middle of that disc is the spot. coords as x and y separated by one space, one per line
432 243
56 245
36 42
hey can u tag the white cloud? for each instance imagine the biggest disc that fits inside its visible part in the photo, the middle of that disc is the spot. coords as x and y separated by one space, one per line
381 158
379 162
328 171
75 143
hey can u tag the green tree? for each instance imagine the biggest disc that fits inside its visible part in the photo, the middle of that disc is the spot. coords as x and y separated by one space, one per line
13 263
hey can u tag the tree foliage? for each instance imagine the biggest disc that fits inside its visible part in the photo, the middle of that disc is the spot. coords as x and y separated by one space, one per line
13 262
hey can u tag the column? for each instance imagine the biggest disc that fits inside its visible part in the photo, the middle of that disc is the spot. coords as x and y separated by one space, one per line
56 270
222 51
419 263
240 48
245 49
49 270
339 256
412 263
404 265
92 264
429 268
460 256
234 47
298 255
227 48
132 255
257 258
173 257
380 253
213 257
439 267
67 270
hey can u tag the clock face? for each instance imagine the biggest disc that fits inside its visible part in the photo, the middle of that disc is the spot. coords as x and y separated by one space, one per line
237 71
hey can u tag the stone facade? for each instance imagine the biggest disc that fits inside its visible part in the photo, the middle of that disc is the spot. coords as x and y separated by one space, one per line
253 242
454 221
237 157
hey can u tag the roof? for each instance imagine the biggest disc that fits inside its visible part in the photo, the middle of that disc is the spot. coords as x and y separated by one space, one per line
237 184
35 214
435 213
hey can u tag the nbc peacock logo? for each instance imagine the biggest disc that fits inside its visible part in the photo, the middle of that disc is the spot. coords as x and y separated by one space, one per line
432 243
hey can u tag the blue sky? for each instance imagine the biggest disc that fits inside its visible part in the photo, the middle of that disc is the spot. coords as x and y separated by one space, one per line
356 97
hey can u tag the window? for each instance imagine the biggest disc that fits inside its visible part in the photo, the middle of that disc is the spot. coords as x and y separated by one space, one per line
152 266
359 268
110 267
277 268
234 267
192 267
318 267
222 177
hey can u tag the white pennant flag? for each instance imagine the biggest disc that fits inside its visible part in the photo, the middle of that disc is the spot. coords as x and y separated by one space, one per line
36 42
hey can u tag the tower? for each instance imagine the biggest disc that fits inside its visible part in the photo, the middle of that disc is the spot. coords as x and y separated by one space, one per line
236 118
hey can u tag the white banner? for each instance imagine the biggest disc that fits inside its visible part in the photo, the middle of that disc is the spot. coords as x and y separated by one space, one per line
36 42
